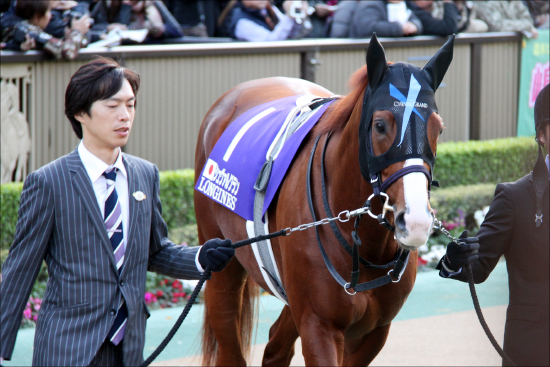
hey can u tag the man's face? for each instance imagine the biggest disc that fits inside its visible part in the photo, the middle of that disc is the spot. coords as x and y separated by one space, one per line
110 121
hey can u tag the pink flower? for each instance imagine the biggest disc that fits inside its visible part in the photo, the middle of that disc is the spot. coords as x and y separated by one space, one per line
175 300
149 297
27 313
421 261
37 306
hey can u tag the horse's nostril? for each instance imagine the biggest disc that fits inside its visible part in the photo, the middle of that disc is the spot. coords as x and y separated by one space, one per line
400 221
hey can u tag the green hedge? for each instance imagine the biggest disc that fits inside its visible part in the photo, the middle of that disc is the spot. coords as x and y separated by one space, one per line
10 195
176 196
473 162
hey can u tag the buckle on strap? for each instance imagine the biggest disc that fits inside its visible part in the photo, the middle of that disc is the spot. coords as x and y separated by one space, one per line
390 273
346 287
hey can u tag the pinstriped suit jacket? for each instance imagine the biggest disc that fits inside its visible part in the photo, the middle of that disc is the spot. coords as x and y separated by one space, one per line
61 223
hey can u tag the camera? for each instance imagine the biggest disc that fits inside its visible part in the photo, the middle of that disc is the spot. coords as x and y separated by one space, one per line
22 29
69 15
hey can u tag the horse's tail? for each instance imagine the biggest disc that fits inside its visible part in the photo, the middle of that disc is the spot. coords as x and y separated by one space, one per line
248 314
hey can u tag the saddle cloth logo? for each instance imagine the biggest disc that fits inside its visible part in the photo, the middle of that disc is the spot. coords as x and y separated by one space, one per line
231 170
219 185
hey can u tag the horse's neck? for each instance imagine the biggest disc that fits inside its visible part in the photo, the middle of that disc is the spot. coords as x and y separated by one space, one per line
350 191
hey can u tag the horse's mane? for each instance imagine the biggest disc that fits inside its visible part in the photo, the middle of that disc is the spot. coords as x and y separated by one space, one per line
339 113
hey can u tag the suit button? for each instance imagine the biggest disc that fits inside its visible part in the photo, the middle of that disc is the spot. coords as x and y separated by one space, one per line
121 283
113 312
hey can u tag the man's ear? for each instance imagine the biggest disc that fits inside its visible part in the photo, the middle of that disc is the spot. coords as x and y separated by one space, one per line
80 117
541 137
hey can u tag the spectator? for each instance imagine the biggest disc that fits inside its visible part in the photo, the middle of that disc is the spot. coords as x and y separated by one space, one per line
506 16
321 18
156 18
391 18
63 13
28 33
539 10
137 14
341 20
467 18
113 14
188 15
259 20
439 18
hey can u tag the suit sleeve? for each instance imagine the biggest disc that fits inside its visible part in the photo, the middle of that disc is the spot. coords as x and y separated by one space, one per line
19 271
165 257
494 236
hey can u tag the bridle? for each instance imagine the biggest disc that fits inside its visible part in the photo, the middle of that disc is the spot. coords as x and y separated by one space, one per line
401 257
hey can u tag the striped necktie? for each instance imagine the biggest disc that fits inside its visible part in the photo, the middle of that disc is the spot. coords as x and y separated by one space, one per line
113 224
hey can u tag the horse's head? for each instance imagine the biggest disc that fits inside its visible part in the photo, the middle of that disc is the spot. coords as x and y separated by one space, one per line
398 137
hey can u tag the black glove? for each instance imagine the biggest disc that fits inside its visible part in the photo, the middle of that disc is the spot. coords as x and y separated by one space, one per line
215 254
462 253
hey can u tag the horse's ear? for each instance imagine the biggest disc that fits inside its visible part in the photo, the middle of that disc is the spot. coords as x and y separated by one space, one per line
377 65
436 68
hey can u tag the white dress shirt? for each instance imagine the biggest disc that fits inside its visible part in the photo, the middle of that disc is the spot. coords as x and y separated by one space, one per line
95 168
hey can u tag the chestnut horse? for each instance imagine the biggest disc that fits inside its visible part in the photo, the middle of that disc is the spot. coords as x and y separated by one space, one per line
367 125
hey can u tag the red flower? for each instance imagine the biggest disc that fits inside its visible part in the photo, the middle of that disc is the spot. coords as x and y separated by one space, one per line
160 293
177 284
421 261
175 300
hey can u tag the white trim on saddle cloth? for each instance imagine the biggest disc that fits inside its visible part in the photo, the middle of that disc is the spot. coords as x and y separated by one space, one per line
250 231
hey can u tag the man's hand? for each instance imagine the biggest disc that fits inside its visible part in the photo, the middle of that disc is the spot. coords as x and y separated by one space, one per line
82 24
462 253
409 28
215 254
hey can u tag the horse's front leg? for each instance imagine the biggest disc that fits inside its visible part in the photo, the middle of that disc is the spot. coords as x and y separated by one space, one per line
362 352
282 336
322 343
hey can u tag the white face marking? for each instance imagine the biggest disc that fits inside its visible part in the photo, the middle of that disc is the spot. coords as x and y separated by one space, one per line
418 219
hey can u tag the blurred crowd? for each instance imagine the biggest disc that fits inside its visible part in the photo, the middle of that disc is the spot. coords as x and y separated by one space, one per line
61 27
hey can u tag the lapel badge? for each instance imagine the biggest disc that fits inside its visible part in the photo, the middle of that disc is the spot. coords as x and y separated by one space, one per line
139 196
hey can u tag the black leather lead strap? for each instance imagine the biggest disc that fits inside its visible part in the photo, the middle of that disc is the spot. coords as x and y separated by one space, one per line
328 264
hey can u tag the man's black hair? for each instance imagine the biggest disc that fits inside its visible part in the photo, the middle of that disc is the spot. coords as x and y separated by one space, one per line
99 79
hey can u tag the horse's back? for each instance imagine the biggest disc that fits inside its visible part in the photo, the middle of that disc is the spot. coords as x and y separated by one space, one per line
242 98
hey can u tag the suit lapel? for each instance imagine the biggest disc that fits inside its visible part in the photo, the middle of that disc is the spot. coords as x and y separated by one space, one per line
133 179
83 185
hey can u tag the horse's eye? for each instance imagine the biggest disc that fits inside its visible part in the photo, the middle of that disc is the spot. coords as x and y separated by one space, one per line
380 127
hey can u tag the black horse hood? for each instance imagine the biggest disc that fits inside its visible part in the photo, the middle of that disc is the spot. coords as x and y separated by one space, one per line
408 92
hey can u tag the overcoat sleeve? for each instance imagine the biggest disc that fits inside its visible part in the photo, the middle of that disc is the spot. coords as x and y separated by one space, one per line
494 236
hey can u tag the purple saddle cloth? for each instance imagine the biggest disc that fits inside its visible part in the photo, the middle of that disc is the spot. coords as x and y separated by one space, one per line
232 168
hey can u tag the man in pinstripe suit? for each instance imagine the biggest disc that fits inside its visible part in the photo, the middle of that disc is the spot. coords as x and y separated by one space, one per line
94 216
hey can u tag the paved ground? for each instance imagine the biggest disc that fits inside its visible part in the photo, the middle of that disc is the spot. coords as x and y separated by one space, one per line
437 326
